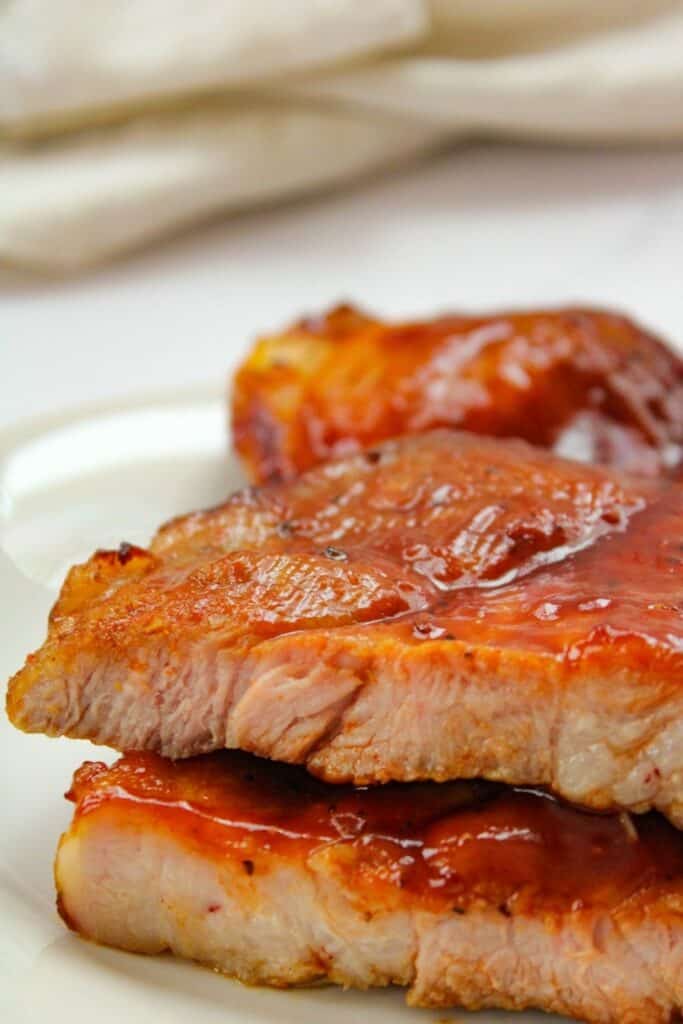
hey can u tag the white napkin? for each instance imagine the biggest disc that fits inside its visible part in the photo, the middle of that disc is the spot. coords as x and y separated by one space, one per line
122 120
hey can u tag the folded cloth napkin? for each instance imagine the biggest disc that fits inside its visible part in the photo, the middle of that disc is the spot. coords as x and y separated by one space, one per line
121 120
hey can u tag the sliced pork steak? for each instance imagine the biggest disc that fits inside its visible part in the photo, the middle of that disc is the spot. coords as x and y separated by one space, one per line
442 606
470 894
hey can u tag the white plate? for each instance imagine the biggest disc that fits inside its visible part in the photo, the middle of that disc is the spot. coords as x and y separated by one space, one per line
67 487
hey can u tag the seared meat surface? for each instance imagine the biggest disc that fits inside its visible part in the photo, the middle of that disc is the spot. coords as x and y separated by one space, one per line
592 385
471 894
442 606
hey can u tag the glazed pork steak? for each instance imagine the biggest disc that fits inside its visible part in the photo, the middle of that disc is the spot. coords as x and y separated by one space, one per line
472 895
591 385
442 606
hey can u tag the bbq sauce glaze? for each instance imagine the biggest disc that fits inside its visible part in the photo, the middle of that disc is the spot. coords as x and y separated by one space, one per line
448 537
443 845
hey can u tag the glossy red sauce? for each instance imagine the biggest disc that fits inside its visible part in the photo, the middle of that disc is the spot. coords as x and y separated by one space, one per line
449 537
444 844
622 597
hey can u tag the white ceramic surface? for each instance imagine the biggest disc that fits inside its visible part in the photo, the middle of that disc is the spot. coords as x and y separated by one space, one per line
67 488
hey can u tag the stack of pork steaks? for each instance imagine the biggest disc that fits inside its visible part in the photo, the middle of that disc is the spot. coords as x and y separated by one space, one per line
410 710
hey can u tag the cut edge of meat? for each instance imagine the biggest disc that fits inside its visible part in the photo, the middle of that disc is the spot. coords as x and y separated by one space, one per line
293 922
429 712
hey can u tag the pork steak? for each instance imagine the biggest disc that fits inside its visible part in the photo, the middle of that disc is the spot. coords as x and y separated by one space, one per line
592 385
472 895
442 606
